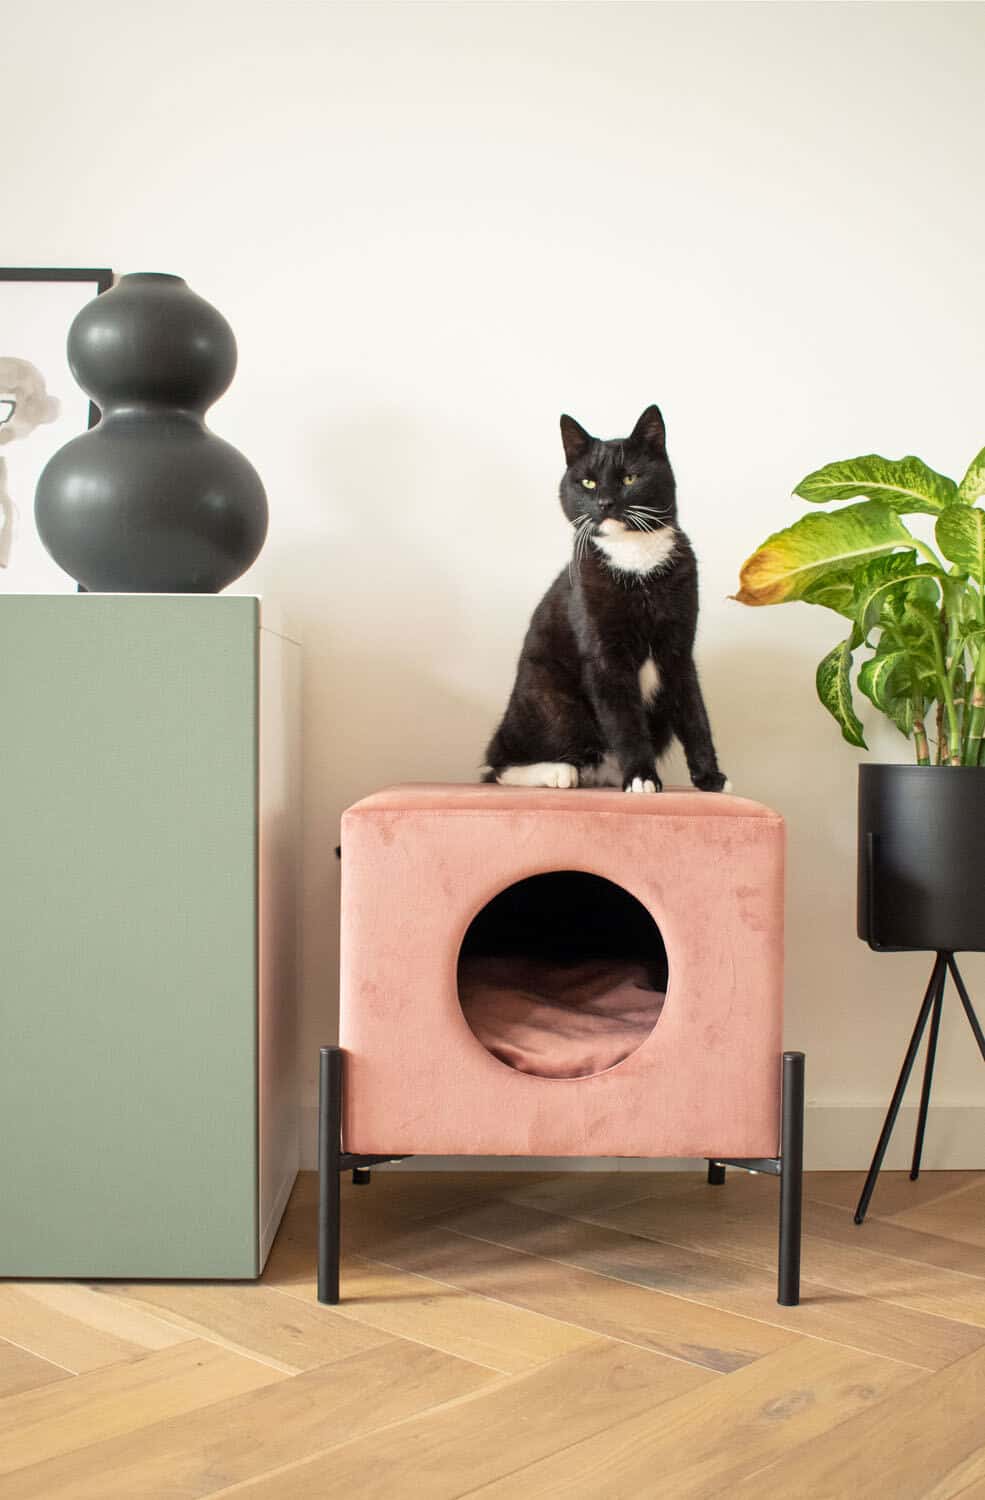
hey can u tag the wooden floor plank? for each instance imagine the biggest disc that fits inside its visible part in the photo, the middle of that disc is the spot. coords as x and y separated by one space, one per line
718 1281
704 1443
615 1309
748 1196
41 1424
572 1192
398 1193
973 1489
891 1238
448 1453
924 1444
288 1335
895 1193
960 1216
391 1200
515 1335
89 1305
22 1371
486 1331
58 1336
231 1441
846 1262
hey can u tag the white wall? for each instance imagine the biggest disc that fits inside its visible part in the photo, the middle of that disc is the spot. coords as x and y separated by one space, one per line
434 227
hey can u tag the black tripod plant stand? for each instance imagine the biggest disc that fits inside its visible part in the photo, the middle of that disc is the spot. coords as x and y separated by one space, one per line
931 1009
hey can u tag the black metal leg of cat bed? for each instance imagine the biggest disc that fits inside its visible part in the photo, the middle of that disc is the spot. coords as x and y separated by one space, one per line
791 1179
332 1161
789 1167
329 1166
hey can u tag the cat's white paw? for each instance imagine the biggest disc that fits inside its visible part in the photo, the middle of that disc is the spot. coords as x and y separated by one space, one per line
639 785
542 773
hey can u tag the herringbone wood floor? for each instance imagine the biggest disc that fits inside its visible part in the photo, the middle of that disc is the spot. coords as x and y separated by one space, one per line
510 1335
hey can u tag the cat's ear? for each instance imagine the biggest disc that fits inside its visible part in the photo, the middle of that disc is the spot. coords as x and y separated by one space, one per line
650 430
575 439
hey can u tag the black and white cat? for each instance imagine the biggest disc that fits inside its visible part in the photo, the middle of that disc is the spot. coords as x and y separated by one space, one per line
606 676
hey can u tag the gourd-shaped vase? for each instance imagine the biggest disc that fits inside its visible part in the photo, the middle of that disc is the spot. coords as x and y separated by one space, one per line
149 500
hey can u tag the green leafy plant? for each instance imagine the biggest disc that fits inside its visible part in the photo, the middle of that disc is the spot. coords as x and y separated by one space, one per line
917 616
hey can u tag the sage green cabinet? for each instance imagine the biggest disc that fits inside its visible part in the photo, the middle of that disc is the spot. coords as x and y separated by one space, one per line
149 843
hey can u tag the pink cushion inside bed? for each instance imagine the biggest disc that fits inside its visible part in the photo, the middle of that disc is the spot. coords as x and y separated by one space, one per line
558 1020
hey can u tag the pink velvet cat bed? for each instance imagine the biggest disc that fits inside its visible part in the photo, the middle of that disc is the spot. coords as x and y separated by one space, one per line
557 973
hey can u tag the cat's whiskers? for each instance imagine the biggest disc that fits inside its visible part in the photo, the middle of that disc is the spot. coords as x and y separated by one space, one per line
641 512
583 528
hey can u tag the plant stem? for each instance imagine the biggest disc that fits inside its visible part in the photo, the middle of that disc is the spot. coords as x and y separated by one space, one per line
976 720
920 735
940 732
953 727
928 552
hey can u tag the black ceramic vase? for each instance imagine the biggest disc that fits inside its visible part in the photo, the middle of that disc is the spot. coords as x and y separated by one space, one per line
149 500
921 857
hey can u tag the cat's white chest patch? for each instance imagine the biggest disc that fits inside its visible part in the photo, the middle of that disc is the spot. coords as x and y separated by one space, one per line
637 551
649 680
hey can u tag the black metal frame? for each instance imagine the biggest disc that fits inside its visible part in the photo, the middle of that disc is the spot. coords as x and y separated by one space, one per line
788 1166
931 1009
100 276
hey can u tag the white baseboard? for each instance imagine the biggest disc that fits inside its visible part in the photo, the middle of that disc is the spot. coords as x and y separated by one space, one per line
838 1138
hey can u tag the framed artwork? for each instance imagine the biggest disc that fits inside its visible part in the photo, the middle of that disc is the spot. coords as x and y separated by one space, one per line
41 407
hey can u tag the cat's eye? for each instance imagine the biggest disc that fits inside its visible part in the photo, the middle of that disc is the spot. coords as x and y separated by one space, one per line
630 478
589 484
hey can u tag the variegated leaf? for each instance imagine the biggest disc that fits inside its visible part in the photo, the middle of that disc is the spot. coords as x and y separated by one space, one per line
902 714
828 545
882 678
882 577
960 533
906 485
972 486
833 591
834 688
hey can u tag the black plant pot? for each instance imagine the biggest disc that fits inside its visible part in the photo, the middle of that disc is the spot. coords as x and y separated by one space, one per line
921 857
149 500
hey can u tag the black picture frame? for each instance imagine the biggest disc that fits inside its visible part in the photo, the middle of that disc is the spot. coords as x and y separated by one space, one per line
101 277
92 282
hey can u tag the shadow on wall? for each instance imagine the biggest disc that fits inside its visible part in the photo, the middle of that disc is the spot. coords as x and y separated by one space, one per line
407 606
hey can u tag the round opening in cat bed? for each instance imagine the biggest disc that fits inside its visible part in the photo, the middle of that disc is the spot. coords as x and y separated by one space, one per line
562 975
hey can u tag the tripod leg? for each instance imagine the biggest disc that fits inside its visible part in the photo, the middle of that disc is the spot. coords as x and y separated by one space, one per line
928 1077
969 1009
936 979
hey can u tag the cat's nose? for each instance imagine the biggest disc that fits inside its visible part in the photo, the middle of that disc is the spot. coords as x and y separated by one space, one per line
604 504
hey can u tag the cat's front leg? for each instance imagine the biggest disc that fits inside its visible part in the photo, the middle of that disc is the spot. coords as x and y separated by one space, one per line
615 694
694 732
